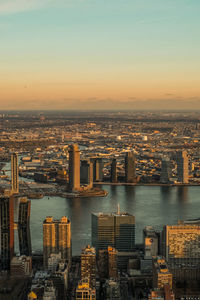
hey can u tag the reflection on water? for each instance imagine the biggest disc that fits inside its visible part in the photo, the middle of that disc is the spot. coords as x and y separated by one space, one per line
151 205
182 194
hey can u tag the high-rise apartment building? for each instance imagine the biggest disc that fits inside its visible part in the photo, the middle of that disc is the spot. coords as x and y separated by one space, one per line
116 230
166 170
107 263
56 238
88 265
84 291
97 169
14 173
6 233
24 227
130 167
74 168
113 171
182 166
161 274
86 175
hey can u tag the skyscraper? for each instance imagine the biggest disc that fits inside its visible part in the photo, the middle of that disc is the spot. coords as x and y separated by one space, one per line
74 168
6 233
166 171
113 173
87 173
88 265
24 227
116 230
56 238
97 169
14 173
182 166
130 167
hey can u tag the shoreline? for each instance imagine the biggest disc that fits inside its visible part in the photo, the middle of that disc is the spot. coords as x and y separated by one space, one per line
147 184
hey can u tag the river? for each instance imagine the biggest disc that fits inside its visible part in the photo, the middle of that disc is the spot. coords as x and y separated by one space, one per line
151 205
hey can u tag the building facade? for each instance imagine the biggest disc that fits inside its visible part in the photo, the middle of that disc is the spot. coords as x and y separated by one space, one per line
130 167
6 233
182 166
116 230
88 265
56 239
14 173
74 168
24 227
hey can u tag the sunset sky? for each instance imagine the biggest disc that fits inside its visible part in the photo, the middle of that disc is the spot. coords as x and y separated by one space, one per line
99 54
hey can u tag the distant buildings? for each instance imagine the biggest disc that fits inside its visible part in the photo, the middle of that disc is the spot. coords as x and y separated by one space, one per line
116 230
56 238
6 233
86 173
97 169
113 171
130 167
166 170
14 174
74 168
182 166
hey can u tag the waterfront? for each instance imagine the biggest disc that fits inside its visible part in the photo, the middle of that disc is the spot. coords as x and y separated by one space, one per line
151 205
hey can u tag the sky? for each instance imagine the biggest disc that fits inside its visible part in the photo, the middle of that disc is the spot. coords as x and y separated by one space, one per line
99 54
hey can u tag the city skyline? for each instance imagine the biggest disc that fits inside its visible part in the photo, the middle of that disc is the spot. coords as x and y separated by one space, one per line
94 54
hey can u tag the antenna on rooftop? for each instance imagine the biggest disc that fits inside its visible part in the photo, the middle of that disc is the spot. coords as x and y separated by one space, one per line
118 209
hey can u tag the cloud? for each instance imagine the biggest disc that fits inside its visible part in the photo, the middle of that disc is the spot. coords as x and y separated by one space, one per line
16 6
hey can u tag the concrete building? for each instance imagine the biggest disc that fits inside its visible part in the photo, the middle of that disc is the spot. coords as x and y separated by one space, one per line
113 171
181 244
6 233
21 266
182 166
50 292
107 263
115 229
130 167
151 242
74 168
56 238
161 274
24 227
112 290
160 294
14 174
88 265
166 170
84 291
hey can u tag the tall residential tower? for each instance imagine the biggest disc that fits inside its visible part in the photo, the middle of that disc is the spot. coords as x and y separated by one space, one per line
74 168
14 173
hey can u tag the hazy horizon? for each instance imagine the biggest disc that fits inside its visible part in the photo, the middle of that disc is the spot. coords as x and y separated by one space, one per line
94 55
